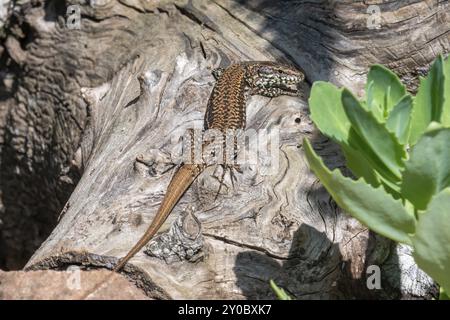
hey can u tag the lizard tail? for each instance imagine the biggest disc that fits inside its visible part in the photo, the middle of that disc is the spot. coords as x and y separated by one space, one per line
180 182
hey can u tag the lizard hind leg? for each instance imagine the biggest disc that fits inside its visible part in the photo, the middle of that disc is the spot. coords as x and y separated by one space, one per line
233 178
220 181
232 168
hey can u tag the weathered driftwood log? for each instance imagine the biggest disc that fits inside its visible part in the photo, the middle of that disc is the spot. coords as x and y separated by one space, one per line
107 100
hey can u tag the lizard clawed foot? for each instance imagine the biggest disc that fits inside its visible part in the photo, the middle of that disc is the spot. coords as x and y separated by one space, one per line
221 183
233 177
236 167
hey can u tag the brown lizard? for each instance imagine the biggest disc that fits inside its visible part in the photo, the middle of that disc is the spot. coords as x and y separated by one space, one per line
225 110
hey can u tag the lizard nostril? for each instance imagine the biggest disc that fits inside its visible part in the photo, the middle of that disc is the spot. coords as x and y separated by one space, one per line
298 120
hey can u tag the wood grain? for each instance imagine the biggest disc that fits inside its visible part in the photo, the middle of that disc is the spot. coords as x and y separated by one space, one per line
137 74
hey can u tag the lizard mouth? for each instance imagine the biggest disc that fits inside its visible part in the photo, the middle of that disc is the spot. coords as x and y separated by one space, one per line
289 86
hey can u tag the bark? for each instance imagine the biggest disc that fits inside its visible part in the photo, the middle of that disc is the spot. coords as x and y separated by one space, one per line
98 107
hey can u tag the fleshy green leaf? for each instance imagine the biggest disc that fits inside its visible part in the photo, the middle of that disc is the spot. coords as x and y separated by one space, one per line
364 163
384 90
445 118
428 170
428 104
357 163
281 294
399 119
443 295
374 207
432 239
380 144
327 112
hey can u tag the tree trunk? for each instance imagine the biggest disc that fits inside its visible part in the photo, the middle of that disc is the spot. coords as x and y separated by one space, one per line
97 111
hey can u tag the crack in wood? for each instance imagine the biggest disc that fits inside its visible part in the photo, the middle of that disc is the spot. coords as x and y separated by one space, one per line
247 246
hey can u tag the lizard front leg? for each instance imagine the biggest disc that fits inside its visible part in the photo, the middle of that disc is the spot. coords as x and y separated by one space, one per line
217 73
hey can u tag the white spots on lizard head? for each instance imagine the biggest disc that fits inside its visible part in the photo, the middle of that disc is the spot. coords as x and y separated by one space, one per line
269 75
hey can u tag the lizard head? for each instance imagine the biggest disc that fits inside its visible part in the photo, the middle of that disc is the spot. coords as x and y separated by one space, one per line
269 75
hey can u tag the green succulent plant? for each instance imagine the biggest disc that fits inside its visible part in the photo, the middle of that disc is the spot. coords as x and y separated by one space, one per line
280 293
398 147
